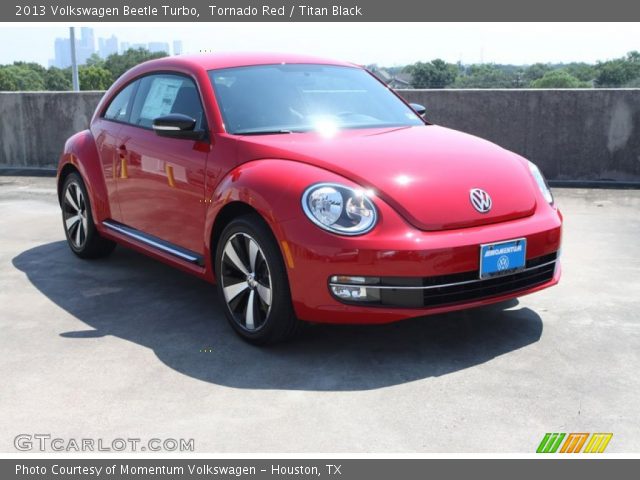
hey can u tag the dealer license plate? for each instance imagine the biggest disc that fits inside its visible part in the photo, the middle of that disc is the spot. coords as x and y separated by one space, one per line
503 258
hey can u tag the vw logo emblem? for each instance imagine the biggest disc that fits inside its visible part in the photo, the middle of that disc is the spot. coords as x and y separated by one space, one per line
503 263
480 200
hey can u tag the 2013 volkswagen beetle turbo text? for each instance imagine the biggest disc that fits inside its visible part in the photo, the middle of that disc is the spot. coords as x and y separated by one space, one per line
305 189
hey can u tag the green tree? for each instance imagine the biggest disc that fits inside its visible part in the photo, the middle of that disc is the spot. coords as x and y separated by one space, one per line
618 72
633 56
487 76
558 79
95 60
536 71
613 73
635 83
8 81
117 63
36 67
56 79
94 78
582 71
435 74
26 76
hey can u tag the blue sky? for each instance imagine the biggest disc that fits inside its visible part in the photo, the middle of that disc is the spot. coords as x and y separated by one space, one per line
383 43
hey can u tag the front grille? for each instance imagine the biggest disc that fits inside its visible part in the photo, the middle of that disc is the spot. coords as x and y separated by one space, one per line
491 287
441 290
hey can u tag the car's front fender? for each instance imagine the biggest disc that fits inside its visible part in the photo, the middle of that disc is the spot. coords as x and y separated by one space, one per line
271 187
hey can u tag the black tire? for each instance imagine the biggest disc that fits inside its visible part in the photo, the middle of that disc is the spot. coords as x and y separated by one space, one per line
241 285
82 237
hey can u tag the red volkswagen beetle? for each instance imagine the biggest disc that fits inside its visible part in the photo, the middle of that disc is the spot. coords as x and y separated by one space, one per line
305 189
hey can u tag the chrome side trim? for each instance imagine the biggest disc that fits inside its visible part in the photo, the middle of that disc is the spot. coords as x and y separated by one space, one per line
428 287
166 247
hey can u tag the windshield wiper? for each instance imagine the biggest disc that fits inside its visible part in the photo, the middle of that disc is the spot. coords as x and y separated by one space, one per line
263 132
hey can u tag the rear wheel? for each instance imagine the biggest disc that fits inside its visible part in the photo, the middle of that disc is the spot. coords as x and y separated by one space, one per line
79 228
252 282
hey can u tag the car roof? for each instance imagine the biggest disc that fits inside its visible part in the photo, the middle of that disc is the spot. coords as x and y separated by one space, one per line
211 61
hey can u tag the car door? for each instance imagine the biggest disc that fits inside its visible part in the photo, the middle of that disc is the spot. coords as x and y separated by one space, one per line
161 189
105 131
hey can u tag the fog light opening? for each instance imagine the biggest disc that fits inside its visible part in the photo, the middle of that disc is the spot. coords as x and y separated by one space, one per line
349 293
355 289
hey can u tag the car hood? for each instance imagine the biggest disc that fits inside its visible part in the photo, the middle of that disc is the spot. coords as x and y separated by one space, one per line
425 173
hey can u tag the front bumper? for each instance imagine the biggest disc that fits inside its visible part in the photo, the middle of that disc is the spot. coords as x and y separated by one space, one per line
441 290
426 272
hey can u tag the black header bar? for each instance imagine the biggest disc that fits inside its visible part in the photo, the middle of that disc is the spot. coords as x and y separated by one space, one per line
79 11
305 469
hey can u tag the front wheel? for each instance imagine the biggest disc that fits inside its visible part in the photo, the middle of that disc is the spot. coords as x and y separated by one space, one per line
79 228
252 282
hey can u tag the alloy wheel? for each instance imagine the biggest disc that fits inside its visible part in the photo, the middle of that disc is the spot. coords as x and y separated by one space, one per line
75 215
246 281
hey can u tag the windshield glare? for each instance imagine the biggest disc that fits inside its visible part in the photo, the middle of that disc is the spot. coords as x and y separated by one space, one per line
302 97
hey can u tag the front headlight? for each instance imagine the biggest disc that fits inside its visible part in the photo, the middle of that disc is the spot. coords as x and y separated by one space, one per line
339 209
542 183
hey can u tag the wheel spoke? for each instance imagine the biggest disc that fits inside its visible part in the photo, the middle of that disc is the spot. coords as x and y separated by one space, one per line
71 221
232 291
249 322
78 197
265 293
78 229
232 255
71 201
253 254
84 224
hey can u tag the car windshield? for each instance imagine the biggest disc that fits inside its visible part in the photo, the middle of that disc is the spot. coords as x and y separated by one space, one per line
304 97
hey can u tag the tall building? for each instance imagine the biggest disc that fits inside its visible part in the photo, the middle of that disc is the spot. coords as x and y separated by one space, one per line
62 49
155 47
107 46
124 46
85 45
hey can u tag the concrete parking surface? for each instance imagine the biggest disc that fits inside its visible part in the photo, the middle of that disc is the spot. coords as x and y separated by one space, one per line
127 347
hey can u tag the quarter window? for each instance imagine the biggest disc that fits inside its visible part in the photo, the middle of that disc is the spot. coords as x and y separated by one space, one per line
119 107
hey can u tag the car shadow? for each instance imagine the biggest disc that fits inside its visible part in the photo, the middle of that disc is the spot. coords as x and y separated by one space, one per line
179 317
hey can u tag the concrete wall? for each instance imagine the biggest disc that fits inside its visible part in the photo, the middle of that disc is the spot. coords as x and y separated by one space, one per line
583 134
572 134
35 125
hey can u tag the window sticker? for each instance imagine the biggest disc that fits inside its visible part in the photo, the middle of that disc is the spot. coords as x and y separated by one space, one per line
161 96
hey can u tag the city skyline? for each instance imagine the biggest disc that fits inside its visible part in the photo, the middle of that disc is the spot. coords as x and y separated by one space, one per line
86 46
392 44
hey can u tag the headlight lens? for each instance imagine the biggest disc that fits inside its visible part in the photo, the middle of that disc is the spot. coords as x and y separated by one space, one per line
339 209
542 183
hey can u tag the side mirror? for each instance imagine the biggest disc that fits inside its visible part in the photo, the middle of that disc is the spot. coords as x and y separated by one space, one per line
419 109
177 125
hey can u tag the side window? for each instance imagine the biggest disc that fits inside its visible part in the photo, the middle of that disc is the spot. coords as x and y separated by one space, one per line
163 94
121 105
